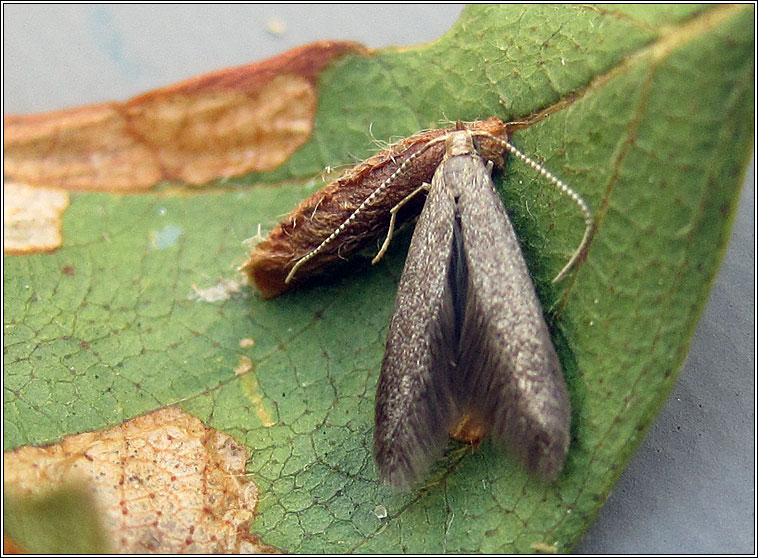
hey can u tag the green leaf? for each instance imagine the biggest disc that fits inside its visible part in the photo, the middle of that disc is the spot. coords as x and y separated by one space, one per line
650 119
61 522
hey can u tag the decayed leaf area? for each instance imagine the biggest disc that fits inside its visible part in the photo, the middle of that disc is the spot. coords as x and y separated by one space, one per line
229 122
32 218
225 123
159 483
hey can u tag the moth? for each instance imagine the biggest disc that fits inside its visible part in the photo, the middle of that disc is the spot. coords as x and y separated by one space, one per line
468 347
468 351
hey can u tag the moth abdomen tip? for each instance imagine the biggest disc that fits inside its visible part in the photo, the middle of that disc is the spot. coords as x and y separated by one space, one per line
471 429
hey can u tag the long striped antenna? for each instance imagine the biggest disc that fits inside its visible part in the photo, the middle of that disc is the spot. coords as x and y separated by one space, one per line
564 189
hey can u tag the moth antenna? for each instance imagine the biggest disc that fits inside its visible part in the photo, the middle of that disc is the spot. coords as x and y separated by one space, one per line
299 263
564 189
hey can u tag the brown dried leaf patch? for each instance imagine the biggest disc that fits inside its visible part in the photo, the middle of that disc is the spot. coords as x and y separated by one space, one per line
162 483
225 123
32 218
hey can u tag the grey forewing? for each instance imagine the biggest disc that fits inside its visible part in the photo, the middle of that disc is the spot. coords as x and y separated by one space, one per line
467 336
510 375
414 407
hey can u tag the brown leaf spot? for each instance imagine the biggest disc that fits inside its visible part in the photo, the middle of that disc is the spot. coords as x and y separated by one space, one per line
201 136
82 148
154 479
32 218
225 123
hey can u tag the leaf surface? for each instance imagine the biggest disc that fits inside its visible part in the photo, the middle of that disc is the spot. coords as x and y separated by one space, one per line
646 111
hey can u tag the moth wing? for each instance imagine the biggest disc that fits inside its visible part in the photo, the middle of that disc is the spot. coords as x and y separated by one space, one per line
414 406
510 371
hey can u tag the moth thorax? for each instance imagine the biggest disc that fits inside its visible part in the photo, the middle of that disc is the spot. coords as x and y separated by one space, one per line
458 143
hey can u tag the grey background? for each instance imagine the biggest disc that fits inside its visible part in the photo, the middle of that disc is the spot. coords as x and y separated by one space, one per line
689 489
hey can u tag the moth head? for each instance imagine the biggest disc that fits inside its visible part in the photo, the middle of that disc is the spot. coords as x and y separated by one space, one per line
459 142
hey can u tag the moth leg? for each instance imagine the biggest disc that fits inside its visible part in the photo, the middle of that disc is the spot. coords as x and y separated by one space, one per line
393 215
